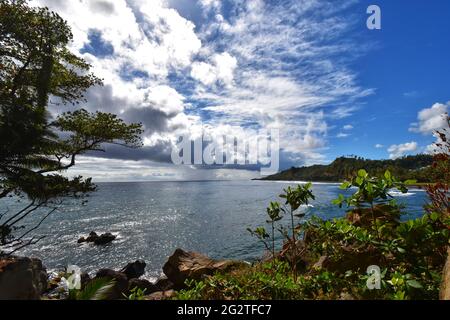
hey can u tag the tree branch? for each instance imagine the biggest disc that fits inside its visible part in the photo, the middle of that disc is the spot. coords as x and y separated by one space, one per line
18 214
31 242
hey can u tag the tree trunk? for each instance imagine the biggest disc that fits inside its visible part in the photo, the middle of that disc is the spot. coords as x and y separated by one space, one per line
445 287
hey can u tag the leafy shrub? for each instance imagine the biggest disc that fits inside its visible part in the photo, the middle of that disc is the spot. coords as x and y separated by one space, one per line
337 252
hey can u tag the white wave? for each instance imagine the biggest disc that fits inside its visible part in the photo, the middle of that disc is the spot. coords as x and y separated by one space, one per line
304 182
400 194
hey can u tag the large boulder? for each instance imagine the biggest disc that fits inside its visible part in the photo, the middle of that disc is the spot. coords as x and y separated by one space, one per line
143 285
164 284
22 278
134 270
183 265
127 279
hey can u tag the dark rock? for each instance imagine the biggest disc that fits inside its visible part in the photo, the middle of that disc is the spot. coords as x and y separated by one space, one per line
104 239
121 282
98 240
92 237
22 278
135 269
164 284
143 285
85 278
191 265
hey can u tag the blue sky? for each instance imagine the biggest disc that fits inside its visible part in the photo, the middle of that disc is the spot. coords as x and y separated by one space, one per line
310 68
409 68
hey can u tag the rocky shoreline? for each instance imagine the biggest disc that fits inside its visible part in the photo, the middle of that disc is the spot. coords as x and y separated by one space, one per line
23 278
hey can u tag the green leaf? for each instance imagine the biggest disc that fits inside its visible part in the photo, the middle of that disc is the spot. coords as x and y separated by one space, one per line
401 250
414 284
410 182
345 185
97 289
362 173
388 175
359 181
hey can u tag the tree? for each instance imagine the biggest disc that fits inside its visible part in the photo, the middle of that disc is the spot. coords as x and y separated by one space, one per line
35 148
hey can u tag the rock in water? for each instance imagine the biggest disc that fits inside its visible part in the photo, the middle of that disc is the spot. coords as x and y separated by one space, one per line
104 239
135 269
98 240
191 265
22 278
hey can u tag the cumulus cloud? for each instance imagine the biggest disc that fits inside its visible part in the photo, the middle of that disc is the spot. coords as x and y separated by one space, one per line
399 150
221 70
431 119
245 66
379 146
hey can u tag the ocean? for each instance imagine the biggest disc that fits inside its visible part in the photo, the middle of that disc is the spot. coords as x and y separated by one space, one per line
152 219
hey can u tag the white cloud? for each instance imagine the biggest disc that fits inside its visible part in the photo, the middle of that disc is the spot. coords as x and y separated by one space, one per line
260 65
286 77
348 127
220 70
342 135
400 150
165 99
431 119
411 94
379 146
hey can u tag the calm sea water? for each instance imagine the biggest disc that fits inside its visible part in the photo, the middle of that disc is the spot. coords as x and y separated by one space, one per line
152 219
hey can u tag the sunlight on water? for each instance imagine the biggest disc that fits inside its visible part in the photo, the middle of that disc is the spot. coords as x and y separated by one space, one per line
151 220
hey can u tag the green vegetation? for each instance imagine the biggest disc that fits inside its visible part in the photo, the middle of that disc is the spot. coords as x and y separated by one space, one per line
334 256
335 259
36 149
408 168
96 289
135 294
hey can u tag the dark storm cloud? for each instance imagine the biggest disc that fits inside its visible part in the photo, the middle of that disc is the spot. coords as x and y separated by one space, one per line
152 120
101 98
158 153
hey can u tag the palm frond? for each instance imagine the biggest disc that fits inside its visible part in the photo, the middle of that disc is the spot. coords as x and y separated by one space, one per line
97 289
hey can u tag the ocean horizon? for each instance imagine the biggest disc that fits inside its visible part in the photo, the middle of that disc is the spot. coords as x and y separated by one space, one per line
151 219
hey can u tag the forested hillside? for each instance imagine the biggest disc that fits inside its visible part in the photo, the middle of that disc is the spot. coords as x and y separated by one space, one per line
410 167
